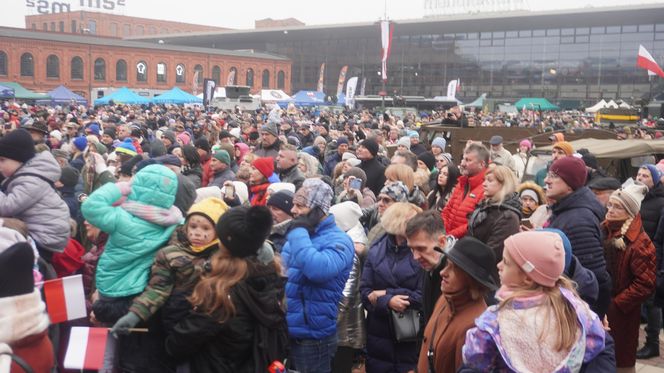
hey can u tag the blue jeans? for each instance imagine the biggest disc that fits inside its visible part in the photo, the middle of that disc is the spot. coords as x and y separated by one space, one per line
313 355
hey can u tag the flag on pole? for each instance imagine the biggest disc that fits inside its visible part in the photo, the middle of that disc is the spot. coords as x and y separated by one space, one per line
321 78
65 299
194 83
645 60
86 348
342 80
351 87
386 31
208 92
452 88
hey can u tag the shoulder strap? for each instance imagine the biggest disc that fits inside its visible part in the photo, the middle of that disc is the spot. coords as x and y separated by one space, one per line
20 362
16 176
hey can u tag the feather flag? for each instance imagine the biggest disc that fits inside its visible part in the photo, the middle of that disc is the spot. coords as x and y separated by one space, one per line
386 31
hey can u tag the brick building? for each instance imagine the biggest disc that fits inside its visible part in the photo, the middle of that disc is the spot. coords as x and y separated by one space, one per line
110 25
42 61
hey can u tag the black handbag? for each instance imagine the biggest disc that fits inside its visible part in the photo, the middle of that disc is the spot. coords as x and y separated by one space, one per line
406 324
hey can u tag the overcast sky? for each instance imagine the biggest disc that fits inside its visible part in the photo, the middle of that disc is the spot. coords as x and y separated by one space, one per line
242 13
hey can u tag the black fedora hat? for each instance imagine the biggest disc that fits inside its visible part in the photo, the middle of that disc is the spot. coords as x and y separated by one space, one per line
37 126
476 259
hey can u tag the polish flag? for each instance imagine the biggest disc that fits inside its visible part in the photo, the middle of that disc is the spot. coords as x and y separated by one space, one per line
386 31
86 348
645 60
65 299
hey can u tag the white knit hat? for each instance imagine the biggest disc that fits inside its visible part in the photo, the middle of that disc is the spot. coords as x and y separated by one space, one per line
631 197
405 141
346 214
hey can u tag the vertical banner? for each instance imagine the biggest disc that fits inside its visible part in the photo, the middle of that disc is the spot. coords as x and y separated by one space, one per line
452 88
351 87
194 83
342 79
209 86
386 31
364 86
321 78
231 77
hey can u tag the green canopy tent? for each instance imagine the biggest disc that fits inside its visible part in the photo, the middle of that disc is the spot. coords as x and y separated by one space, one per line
536 103
21 93
478 103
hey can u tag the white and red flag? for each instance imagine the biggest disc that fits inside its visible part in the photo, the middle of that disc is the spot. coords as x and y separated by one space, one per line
646 61
86 348
65 299
386 31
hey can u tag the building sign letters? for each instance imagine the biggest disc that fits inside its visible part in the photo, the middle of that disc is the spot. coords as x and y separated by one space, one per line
50 6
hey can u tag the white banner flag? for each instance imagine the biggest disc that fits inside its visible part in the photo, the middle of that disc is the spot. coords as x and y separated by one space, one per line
351 86
452 88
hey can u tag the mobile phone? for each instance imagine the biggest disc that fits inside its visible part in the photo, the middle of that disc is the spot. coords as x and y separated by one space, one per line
229 191
527 223
355 184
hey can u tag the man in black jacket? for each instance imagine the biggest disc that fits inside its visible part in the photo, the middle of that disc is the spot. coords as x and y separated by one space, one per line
367 152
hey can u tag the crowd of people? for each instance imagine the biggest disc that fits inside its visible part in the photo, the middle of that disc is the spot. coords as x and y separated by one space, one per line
320 242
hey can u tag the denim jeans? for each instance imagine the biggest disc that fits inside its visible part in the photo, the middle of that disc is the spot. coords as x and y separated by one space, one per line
313 355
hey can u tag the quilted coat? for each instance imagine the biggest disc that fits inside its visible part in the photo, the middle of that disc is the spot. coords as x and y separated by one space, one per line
651 209
124 267
317 270
492 223
465 197
34 201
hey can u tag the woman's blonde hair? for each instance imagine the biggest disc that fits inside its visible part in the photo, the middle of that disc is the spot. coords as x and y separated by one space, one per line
396 217
506 178
401 172
563 312
310 162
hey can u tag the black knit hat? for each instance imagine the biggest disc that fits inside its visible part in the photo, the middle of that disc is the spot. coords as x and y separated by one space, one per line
69 176
17 145
202 143
16 277
242 230
428 158
283 200
371 145
110 132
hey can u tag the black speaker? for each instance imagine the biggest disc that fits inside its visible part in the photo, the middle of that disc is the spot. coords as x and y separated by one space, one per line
236 91
661 110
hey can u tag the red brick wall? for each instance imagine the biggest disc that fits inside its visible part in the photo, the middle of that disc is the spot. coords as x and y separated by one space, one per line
41 49
269 22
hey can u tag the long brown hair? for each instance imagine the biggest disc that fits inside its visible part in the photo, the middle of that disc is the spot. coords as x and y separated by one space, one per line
558 307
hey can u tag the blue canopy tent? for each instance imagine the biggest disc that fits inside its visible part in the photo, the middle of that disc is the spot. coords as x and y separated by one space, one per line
176 96
6 92
123 96
63 96
309 98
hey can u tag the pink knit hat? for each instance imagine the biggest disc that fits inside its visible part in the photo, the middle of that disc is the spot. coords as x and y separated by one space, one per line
185 138
526 142
540 254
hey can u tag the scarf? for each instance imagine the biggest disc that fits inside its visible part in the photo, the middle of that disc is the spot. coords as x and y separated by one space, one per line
201 248
259 194
90 173
154 214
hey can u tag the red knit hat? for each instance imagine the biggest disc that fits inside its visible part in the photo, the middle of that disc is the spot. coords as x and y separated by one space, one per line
572 170
264 165
540 254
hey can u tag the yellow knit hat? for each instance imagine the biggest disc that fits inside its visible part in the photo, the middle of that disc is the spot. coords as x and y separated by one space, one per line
212 208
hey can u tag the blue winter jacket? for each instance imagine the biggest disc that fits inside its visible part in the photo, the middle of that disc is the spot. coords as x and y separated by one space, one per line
124 267
317 270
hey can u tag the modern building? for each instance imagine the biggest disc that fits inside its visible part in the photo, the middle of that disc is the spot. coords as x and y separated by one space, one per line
578 55
91 65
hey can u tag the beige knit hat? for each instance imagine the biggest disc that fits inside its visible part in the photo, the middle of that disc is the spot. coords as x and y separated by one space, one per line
630 197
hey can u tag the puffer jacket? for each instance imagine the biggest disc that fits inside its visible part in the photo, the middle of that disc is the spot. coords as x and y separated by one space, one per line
579 215
124 267
651 210
317 270
492 223
350 321
462 203
29 197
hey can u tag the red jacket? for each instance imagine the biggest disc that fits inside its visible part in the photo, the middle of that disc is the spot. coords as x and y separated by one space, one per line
461 204
208 174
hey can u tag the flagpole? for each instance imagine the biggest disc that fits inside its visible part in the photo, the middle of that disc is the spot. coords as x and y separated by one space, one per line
650 79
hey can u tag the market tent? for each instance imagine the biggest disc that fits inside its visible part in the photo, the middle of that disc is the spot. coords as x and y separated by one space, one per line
309 98
275 95
21 93
446 100
535 103
478 103
63 96
123 96
177 96
595 108
6 92
606 148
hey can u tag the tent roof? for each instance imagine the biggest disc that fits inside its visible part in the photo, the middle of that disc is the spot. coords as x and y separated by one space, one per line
123 96
535 103
22 93
274 95
176 96
605 148
309 98
6 92
478 103
62 95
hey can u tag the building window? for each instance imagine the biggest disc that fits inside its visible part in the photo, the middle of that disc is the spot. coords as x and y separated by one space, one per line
198 74
140 30
179 73
126 30
61 26
114 29
100 69
77 68
142 71
232 76
152 30
250 77
45 26
281 80
53 26
34 26
164 31
92 27
52 66
3 63
216 74
266 79
121 71
161 72
27 65
74 29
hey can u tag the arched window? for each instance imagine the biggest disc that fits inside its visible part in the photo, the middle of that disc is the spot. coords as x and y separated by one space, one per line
266 79
232 76
27 65
142 71
180 73
161 72
198 73
76 68
216 74
52 66
100 69
281 80
121 71
250 77
3 63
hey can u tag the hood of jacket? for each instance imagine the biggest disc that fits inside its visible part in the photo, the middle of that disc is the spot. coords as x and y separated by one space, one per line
511 202
262 293
154 185
580 198
42 164
656 192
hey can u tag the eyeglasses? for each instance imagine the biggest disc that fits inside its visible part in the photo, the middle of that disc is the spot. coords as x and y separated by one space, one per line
385 200
552 175
440 160
615 206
